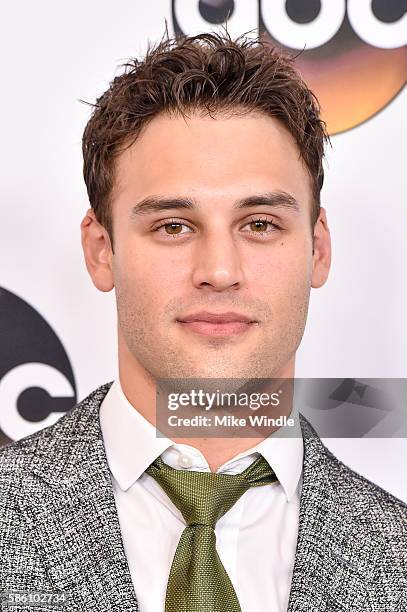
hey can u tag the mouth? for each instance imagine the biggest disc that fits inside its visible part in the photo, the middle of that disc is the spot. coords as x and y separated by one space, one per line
217 324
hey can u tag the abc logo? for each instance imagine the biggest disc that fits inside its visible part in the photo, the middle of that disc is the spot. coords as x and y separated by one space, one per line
352 54
36 380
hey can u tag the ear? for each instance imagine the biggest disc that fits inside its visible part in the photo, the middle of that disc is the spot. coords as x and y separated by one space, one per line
97 251
321 261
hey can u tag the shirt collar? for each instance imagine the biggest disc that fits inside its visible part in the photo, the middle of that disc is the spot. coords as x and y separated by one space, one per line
131 444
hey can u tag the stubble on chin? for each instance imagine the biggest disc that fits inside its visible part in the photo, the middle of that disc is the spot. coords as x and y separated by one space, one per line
160 348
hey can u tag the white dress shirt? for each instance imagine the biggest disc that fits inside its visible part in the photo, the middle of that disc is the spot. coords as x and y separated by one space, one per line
256 539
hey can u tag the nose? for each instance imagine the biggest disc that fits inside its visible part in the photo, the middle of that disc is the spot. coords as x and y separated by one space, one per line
217 263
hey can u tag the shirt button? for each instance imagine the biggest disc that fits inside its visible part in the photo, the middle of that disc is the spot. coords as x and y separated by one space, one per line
184 461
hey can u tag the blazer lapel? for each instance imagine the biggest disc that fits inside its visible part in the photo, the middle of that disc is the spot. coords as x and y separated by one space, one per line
334 560
68 500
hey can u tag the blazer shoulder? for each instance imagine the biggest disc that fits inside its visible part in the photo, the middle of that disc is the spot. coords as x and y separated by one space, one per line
17 457
349 490
369 500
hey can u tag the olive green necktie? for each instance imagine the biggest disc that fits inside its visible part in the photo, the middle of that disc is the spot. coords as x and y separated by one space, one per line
198 581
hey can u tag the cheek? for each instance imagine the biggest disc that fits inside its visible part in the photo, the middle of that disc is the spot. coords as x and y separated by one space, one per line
283 282
144 282
287 265
160 272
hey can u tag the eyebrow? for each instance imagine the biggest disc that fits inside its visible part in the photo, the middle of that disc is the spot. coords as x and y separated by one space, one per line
274 199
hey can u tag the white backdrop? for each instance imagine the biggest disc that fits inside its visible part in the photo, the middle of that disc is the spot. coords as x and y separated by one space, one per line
54 53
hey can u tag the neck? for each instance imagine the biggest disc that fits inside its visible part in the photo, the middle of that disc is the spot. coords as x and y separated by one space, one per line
140 390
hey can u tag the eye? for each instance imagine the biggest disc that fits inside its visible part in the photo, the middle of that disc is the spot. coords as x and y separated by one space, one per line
386 34
294 27
259 226
174 226
194 17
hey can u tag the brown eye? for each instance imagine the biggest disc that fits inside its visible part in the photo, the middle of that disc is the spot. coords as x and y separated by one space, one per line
174 227
261 227
258 225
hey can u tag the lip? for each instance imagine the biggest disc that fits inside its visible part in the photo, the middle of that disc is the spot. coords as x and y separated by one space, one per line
216 317
217 323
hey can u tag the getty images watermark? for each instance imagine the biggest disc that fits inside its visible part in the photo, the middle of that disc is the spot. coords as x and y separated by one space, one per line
198 398
335 407
223 407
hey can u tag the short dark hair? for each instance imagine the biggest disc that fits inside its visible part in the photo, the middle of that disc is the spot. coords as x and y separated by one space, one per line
209 73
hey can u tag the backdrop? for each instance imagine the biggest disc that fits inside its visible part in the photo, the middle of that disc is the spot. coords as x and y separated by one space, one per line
58 333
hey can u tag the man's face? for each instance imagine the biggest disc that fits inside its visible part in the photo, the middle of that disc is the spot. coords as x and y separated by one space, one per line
217 257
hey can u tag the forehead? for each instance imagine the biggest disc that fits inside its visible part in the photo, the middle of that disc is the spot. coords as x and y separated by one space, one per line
206 156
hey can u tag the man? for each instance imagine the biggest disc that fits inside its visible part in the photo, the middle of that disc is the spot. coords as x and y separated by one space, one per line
203 165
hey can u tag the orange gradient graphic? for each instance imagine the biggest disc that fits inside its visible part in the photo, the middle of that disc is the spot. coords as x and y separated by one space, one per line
352 80
354 86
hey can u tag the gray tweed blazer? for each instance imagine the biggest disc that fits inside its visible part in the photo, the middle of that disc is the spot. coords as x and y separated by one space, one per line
59 529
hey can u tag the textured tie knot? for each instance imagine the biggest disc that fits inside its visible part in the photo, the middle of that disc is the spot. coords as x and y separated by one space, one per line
204 497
